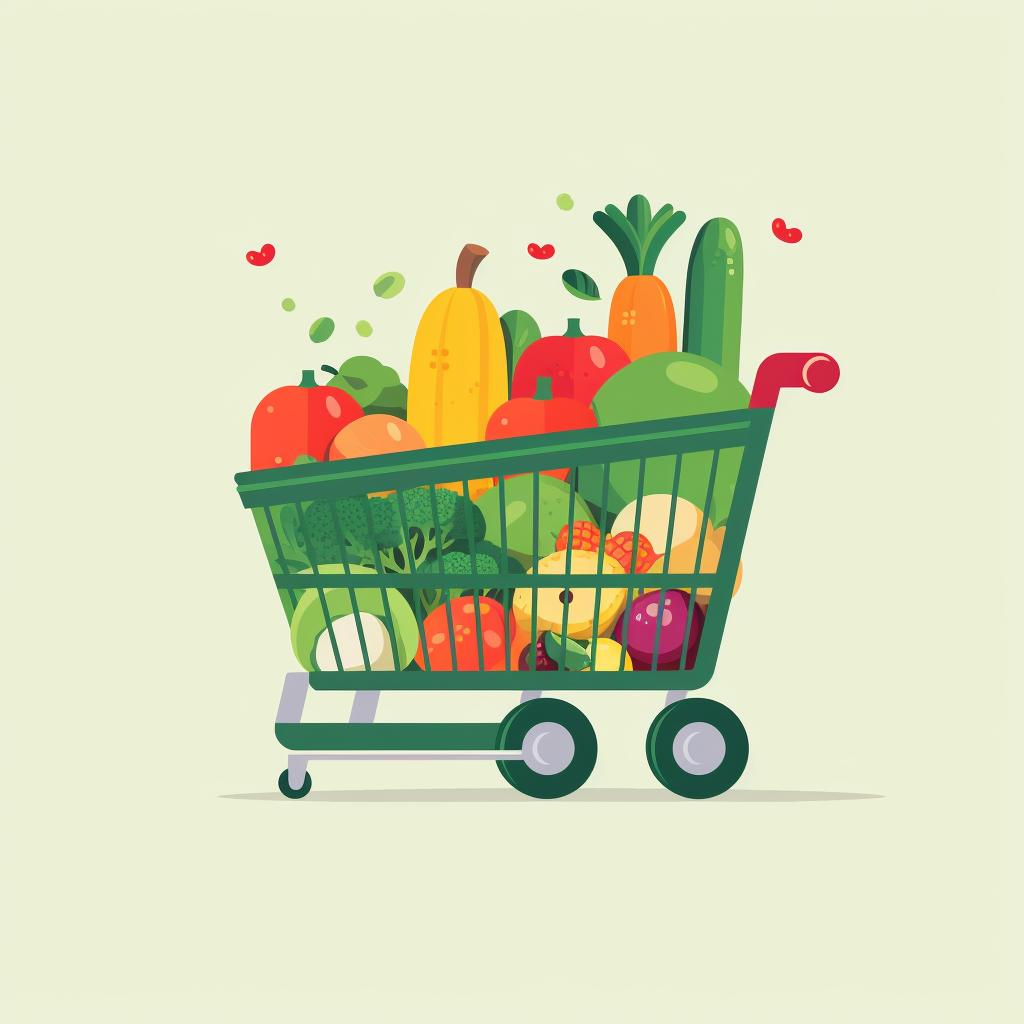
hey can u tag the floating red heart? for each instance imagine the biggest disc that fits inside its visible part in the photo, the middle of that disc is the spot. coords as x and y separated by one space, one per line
784 234
541 252
261 258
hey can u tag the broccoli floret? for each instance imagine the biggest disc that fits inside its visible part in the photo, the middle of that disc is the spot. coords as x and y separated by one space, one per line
455 563
367 530
334 529
387 527
400 553
419 510
460 563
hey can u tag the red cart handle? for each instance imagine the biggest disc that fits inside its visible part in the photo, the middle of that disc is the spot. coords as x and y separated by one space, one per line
814 371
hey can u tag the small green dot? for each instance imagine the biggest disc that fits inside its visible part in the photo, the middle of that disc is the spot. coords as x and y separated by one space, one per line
564 201
287 305
364 328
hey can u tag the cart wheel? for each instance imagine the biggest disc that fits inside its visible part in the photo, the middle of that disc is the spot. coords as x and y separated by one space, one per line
697 748
294 794
558 744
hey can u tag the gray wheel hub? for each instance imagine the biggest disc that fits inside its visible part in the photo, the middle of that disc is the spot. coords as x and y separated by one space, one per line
548 748
699 748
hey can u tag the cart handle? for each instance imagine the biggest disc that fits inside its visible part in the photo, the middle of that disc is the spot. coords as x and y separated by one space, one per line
815 371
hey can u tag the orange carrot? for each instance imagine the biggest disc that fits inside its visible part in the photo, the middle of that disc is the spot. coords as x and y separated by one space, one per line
642 318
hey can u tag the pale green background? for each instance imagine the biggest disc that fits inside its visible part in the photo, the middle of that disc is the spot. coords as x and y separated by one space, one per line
145 150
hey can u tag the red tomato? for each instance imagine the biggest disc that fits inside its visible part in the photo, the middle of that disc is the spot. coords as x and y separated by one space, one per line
493 626
299 420
578 364
541 414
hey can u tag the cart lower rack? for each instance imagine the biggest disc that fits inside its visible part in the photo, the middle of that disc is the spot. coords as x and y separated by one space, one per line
337 558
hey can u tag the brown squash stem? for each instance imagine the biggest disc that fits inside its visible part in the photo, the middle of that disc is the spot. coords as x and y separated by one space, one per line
469 259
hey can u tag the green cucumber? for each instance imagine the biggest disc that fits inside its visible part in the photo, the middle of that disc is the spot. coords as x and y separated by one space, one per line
714 295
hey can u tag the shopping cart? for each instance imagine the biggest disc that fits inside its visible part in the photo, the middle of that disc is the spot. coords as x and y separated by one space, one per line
544 747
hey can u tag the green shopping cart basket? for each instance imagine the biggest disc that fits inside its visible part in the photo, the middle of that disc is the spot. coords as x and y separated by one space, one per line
544 747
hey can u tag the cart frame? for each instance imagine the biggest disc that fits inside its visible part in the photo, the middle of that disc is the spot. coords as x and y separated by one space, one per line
566 735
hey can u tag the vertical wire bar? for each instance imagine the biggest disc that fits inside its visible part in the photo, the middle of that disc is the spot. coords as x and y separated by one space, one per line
506 598
719 578
384 595
313 563
667 560
600 566
446 594
280 551
343 548
690 615
567 593
629 592
534 595
469 507
410 564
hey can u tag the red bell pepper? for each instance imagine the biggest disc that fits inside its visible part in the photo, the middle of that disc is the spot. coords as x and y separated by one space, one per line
542 414
577 363
299 420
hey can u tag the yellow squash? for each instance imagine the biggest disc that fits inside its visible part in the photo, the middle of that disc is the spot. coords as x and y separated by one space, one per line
458 374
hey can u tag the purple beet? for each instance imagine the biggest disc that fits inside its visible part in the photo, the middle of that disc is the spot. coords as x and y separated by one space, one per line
643 622
544 662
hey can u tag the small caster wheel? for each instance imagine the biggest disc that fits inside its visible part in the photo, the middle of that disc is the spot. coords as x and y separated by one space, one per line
294 794
558 744
697 748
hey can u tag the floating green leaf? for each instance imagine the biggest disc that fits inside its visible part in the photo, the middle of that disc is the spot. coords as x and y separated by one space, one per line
321 329
566 652
387 286
564 201
581 285
364 328
287 305
521 331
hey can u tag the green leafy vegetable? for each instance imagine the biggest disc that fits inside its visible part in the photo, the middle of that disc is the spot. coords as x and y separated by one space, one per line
363 377
566 652
284 536
520 331
581 285
373 385
387 286
393 400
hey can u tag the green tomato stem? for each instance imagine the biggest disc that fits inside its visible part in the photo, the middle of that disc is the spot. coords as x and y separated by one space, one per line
543 392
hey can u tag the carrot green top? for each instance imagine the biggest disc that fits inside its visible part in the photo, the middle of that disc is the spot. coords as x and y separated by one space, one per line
637 234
